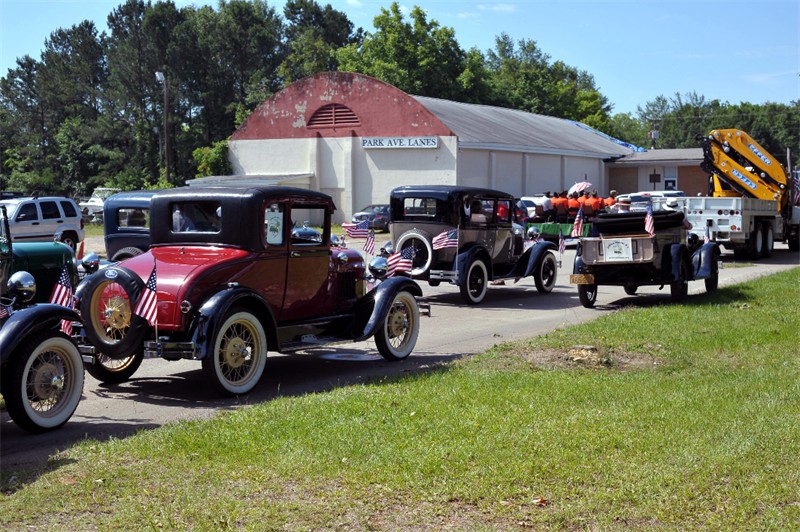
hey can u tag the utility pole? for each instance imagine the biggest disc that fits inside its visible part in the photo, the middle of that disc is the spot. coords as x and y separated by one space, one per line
163 80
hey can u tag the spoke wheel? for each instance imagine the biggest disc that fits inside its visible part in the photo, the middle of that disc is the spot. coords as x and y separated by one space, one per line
473 288
548 272
237 361
398 335
114 370
43 382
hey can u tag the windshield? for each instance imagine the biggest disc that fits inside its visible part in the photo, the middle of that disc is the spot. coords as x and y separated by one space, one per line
374 208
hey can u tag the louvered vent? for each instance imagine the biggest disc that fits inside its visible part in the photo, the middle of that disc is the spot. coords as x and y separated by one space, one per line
334 115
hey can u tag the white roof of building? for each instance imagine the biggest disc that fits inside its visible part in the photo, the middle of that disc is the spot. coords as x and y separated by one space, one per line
487 127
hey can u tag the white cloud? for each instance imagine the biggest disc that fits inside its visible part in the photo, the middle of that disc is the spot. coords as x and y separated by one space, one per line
498 8
354 3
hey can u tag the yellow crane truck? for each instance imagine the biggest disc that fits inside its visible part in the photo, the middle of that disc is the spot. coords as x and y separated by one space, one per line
753 202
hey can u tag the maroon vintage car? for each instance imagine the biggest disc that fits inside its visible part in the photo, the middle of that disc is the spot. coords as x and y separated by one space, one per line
235 278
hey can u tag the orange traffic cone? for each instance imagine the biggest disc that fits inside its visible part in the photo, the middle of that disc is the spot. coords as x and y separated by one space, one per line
80 250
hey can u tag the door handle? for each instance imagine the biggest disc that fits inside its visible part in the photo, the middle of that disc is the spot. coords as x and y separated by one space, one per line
295 254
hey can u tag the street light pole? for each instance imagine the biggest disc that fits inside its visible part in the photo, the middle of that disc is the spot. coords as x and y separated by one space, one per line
163 80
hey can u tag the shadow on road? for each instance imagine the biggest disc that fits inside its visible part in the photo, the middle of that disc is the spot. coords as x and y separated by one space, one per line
313 371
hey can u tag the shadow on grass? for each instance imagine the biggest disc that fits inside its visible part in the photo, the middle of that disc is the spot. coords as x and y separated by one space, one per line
119 411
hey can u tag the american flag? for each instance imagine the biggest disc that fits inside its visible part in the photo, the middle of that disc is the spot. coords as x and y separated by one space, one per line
369 245
446 239
62 295
562 244
577 227
707 236
649 224
4 311
359 230
147 306
402 261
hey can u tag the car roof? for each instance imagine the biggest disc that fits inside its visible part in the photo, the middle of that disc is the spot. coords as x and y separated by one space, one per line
445 191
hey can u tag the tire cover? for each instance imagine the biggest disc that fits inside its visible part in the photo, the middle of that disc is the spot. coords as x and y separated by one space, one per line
425 238
132 284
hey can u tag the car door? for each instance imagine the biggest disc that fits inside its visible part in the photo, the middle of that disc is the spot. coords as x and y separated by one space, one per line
52 219
308 287
27 223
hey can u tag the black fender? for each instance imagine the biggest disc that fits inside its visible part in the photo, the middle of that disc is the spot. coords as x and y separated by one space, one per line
535 255
377 302
465 256
27 321
211 313
705 261
671 262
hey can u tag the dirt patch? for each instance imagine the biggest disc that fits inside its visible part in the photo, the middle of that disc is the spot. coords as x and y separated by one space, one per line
588 356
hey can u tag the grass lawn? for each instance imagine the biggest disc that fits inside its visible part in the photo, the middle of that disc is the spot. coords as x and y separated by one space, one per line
678 416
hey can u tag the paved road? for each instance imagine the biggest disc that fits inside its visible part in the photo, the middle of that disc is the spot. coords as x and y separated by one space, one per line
162 392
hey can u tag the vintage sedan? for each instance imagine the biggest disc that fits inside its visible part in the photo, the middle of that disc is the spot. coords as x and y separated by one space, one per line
41 368
467 236
228 278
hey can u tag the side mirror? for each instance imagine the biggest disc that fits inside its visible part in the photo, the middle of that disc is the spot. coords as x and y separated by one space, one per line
90 262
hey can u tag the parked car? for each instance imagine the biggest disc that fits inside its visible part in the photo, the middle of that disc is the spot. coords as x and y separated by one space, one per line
41 369
486 244
34 219
94 205
378 216
626 255
126 224
234 282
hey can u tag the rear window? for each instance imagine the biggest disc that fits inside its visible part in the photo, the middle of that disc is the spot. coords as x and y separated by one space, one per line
130 217
419 207
69 209
196 216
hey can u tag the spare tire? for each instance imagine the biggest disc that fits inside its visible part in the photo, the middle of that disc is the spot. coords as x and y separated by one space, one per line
106 307
421 242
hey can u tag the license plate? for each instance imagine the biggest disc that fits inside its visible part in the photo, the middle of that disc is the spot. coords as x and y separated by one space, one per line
581 278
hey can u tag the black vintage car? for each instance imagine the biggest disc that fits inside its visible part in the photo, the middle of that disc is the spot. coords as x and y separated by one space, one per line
230 276
41 369
467 236
126 224
623 253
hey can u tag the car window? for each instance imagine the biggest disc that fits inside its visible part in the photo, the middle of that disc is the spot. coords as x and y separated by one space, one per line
128 217
196 216
307 223
273 224
69 209
49 210
419 208
27 212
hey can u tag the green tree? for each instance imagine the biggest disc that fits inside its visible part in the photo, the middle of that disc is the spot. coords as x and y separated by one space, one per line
419 57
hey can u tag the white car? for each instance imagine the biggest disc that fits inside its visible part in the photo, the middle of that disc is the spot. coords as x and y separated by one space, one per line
44 220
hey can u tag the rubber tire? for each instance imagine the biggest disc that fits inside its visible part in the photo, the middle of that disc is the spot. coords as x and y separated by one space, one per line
126 253
711 282
114 370
242 330
756 243
794 243
398 333
630 289
19 371
424 238
70 239
123 335
678 290
546 273
768 238
587 294
478 273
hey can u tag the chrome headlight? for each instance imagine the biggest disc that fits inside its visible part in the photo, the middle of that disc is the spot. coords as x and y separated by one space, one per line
22 287
378 267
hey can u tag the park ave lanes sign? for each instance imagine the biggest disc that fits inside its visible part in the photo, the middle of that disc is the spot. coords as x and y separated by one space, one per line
399 142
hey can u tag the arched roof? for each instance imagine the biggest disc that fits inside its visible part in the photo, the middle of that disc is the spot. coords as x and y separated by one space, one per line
340 104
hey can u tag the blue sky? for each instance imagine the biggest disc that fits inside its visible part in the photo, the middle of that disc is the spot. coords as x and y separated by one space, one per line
729 50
